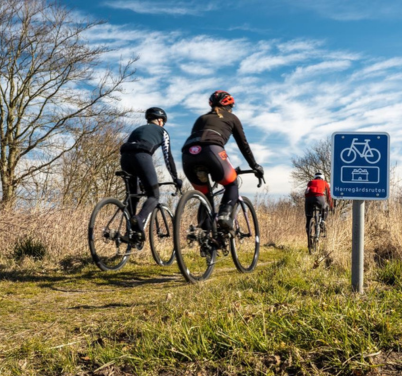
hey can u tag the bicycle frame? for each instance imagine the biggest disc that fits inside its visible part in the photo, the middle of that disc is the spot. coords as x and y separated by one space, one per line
366 149
317 215
240 200
128 203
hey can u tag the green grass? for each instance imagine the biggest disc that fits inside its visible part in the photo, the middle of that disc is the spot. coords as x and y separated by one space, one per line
287 317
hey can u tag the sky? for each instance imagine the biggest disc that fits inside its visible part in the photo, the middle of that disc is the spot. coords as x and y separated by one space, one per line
299 70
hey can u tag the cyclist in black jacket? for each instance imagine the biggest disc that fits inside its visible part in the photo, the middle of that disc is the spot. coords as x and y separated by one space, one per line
136 159
203 153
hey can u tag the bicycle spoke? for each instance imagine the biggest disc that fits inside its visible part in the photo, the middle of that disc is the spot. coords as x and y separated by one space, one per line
161 236
245 244
193 237
108 235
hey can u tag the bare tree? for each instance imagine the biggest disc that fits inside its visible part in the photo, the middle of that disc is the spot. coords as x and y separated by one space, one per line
88 171
52 93
317 158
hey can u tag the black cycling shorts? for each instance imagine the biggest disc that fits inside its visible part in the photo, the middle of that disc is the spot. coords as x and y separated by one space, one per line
201 160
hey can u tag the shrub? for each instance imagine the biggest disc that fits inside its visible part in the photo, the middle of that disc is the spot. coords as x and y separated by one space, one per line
28 246
391 273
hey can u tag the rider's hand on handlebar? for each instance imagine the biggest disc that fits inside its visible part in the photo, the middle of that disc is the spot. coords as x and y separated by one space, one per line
178 183
259 171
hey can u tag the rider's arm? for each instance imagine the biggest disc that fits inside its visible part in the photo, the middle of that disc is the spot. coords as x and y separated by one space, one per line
240 137
167 155
328 194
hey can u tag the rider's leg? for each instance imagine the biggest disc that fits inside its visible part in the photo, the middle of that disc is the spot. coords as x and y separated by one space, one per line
126 163
225 174
197 173
146 172
308 210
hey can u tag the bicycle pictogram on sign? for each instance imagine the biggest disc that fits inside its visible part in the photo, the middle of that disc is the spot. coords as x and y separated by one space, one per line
371 155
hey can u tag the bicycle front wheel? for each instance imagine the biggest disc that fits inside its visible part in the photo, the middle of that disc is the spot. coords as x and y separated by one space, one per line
161 235
193 240
245 245
108 235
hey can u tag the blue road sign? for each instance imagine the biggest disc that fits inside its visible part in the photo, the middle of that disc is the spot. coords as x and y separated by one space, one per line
360 166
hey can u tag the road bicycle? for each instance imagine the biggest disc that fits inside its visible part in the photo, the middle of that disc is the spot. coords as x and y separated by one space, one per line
111 239
198 240
316 229
371 155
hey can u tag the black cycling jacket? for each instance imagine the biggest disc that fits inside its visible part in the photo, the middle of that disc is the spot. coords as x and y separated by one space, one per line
211 129
148 138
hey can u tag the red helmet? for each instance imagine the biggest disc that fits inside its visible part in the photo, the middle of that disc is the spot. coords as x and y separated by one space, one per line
221 98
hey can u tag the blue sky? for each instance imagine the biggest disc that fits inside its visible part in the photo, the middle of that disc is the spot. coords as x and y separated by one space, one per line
299 70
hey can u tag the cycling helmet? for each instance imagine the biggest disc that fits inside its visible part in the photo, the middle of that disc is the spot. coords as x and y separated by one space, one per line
221 98
155 113
319 175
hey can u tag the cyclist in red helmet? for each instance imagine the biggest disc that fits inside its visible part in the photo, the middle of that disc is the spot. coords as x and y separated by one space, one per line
203 153
317 193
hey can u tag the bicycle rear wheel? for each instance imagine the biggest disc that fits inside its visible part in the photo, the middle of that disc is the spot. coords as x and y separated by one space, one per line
161 235
108 232
312 235
193 240
245 245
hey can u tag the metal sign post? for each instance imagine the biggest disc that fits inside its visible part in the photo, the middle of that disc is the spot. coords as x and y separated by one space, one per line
360 171
358 245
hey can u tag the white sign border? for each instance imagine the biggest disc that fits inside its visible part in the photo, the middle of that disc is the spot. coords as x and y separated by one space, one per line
337 197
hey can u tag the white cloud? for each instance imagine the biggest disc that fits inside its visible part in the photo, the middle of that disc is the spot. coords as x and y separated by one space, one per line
260 62
346 10
174 8
302 73
202 48
197 69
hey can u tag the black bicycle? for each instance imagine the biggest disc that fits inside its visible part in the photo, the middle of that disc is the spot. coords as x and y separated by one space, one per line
316 229
198 238
111 239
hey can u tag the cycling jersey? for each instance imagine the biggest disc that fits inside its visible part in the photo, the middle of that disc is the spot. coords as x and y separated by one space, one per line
319 187
210 129
148 138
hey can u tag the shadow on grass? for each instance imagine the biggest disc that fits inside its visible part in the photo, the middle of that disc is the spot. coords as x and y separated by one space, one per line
105 306
60 280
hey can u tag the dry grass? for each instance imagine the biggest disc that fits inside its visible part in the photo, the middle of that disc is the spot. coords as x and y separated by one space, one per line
63 232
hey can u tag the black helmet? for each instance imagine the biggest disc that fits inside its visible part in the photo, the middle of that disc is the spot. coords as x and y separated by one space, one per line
221 98
155 113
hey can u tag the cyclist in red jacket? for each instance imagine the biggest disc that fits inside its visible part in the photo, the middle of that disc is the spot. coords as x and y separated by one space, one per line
317 193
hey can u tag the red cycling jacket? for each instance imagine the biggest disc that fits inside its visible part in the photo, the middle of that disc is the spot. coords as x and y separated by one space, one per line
319 187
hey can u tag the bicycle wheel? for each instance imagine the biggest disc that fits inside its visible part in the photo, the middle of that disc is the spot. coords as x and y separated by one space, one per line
373 157
161 235
193 240
348 155
245 245
312 235
108 231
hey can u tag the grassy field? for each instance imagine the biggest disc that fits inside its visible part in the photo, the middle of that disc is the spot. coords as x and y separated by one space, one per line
292 316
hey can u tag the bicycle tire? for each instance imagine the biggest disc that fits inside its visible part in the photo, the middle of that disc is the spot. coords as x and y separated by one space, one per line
348 159
312 236
374 157
108 225
161 230
244 246
194 248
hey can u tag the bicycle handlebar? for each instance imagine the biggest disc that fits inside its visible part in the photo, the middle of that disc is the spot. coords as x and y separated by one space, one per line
261 179
171 183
